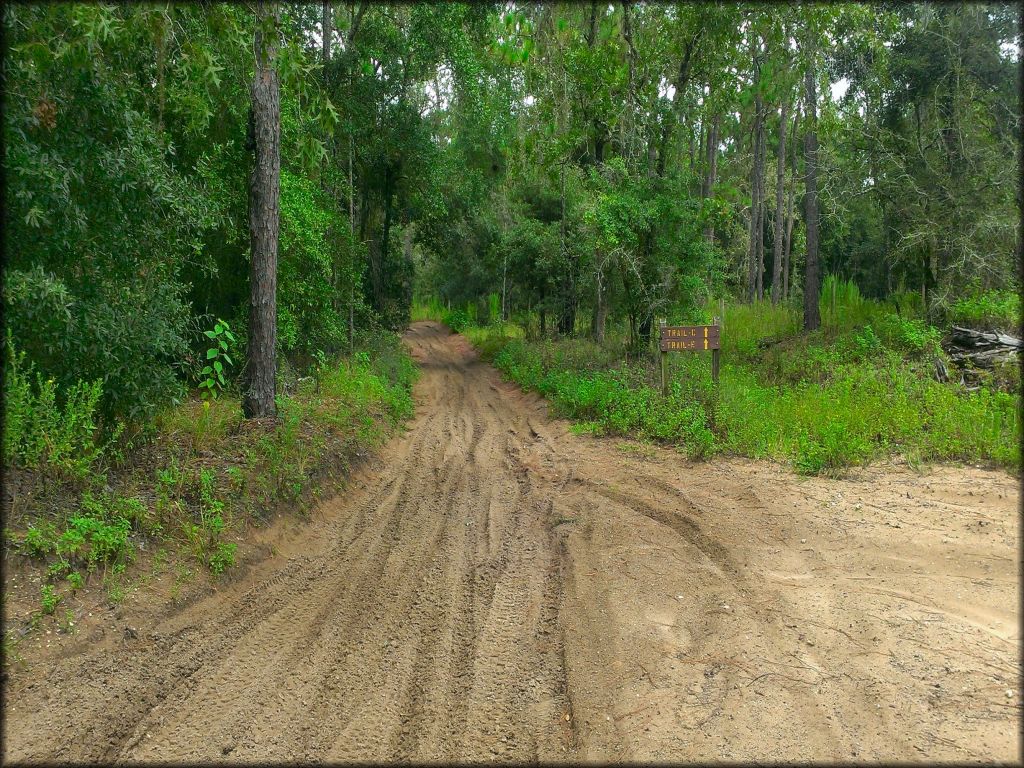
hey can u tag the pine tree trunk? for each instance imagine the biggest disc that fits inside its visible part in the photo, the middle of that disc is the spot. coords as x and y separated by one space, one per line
790 216
711 166
780 195
812 278
264 215
759 266
754 252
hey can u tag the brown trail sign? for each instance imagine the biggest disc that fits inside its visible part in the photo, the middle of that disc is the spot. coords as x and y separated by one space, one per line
689 338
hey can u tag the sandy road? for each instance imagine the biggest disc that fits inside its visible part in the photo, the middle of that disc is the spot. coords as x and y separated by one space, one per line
497 588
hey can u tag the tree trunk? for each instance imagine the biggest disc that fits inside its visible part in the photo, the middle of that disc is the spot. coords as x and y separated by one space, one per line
753 252
682 80
328 31
264 221
780 194
711 168
812 278
760 205
791 217
600 316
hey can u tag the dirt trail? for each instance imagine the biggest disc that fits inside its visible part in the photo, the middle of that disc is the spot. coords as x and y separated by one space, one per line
497 588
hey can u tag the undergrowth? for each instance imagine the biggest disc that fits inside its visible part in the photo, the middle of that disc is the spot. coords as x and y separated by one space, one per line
861 388
199 475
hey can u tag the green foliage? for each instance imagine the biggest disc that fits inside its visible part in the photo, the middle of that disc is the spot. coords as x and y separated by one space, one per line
212 376
456 319
99 532
204 533
223 557
45 428
999 310
615 400
50 599
823 405
39 541
913 338
67 624
317 258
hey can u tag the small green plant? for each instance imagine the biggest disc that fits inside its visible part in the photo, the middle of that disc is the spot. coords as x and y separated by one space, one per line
39 541
223 557
204 535
50 599
115 592
75 580
58 569
236 479
211 378
99 533
67 624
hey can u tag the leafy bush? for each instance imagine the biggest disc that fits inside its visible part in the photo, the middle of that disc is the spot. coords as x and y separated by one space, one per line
98 533
223 557
456 319
913 338
39 540
50 599
47 428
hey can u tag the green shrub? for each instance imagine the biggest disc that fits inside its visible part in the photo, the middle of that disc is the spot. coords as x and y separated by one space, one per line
98 534
39 540
457 319
223 557
45 428
913 338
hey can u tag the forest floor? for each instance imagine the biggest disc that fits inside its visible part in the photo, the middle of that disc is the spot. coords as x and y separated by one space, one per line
493 587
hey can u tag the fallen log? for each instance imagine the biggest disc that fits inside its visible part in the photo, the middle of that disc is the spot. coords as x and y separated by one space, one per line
980 349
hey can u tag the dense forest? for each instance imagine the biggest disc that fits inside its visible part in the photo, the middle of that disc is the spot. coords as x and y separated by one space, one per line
224 210
589 162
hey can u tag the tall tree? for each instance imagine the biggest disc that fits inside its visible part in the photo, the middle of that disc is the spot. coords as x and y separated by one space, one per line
812 278
780 183
264 219
755 263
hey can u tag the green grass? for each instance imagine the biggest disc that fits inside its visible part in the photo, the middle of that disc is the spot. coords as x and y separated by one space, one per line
858 390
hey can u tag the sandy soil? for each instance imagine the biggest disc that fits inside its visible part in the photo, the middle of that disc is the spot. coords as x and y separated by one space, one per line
495 588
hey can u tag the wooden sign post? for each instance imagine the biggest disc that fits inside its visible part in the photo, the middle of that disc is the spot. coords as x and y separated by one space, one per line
689 338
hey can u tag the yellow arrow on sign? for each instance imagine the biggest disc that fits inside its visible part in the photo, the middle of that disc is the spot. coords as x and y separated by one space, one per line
705 338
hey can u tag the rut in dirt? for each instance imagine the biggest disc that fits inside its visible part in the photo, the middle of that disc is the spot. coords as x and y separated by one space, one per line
425 628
